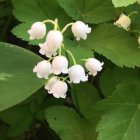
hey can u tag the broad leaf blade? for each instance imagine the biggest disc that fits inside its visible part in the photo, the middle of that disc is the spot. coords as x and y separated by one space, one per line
115 44
68 124
115 76
85 97
120 3
95 11
122 114
17 81
32 11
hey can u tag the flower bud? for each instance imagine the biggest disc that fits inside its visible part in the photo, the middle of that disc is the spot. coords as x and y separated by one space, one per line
43 69
93 66
45 50
59 89
37 31
77 74
54 40
80 30
123 21
51 82
60 65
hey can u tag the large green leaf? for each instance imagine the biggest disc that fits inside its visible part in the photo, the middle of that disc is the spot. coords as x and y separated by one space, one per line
122 114
118 75
115 44
120 3
95 11
84 96
30 11
25 118
17 81
68 124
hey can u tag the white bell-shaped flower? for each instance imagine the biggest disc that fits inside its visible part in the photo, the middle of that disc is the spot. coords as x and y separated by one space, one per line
93 66
139 40
45 50
54 40
59 89
51 82
60 65
43 69
37 31
77 74
123 22
80 30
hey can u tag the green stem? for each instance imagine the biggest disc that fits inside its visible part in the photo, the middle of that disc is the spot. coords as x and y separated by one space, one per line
134 12
73 59
136 31
83 59
65 28
64 78
55 23
50 59
60 50
49 21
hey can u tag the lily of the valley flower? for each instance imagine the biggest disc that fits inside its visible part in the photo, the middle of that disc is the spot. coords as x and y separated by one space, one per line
45 50
51 82
139 40
37 31
80 30
59 89
43 69
54 40
93 66
123 21
60 65
77 74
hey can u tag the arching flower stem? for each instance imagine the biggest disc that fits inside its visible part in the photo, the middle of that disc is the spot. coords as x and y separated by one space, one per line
65 28
73 59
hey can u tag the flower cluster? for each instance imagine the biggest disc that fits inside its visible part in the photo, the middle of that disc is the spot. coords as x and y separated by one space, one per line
56 68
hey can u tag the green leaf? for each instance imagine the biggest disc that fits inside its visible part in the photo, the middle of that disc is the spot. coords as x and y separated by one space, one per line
17 81
85 96
32 11
25 118
121 120
25 11
115 44
95 11
120 3
68 125
79 51
118 75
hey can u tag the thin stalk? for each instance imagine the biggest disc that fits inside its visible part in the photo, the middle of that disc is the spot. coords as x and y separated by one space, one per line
132 13
65 28
73 59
